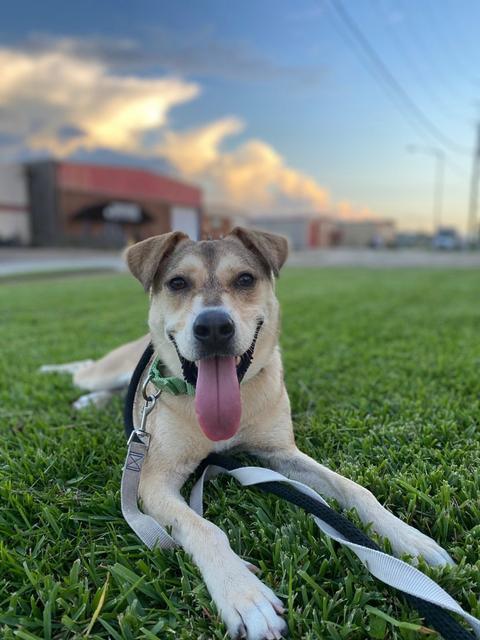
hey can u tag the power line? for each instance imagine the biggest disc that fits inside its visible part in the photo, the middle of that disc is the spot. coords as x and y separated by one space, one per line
408 58
387 81
447 44
457 27
410 35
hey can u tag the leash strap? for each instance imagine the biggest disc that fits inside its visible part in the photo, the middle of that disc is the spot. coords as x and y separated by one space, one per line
388 569
146 528
132 390
428 598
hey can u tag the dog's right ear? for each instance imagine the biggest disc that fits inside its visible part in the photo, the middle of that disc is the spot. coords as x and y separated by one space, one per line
145 258
270 248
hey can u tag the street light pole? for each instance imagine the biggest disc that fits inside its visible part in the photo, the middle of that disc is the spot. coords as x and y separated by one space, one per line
472 224
439 179
438 183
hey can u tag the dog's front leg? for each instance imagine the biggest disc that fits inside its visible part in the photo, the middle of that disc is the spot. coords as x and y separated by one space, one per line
248 607
403 538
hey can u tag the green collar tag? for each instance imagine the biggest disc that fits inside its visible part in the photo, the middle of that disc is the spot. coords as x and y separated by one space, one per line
175 386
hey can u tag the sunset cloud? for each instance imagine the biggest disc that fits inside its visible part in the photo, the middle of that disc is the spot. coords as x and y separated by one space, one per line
61 104
253 173
193 152
53 100
348 211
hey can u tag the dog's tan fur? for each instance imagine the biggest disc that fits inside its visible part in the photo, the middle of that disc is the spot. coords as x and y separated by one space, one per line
178 445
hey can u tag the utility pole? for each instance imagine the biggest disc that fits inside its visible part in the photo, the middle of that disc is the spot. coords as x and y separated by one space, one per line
438 193
472 225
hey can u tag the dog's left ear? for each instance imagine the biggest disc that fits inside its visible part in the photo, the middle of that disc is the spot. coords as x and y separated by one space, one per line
270 248
145 258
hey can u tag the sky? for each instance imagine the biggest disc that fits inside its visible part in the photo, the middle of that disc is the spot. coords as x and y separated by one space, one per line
322 106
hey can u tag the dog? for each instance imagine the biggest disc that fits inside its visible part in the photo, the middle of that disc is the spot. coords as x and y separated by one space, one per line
214 320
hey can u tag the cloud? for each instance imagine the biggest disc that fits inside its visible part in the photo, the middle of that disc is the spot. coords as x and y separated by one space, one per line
254 172
194 152
58 102
43 96
348 211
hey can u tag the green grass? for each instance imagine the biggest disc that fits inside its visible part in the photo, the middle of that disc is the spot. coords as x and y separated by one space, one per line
383 370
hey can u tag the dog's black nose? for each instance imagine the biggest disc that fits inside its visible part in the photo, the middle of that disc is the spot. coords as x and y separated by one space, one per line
214 328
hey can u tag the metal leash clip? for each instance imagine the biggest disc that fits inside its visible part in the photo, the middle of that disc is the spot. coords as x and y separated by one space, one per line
150 401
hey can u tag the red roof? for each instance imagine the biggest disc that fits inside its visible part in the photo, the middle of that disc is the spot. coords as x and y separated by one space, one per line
124 182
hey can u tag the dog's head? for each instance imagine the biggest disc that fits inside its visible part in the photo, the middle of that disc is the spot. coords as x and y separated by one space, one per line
213 313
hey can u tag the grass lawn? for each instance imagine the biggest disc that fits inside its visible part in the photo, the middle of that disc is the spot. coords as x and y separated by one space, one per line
383 370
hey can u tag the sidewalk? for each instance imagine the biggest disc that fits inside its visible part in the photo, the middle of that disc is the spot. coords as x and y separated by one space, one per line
17 261
385 258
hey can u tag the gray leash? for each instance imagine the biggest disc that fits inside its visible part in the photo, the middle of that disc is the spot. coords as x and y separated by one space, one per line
146 528
388 569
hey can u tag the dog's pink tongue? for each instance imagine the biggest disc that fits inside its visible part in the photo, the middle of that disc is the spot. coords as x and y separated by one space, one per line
217 398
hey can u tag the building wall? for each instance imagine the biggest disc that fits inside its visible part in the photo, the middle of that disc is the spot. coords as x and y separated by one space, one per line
100 234
42 196
218 226
14 226
308 231
322 232
295 229
14 214
13 189
186 219
215 226
367 233
219 219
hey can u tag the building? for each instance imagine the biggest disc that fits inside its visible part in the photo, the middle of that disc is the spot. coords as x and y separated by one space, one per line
218 219
367 233
313 231
14 209
303 231
73 204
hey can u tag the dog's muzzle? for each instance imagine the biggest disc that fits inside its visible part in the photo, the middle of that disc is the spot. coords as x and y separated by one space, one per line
190 369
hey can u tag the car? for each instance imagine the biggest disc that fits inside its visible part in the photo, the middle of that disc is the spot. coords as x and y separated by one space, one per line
447 239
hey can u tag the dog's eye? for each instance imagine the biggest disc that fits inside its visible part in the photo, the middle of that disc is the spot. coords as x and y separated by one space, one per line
245 281
177 284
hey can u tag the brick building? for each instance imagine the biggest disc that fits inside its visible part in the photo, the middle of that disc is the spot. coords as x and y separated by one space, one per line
96 205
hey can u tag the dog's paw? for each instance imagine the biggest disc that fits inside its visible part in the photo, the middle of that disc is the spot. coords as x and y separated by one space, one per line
407 540
249 608
97 399
69 367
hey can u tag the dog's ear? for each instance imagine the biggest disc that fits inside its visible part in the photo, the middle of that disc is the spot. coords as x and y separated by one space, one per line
270 248
145 257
